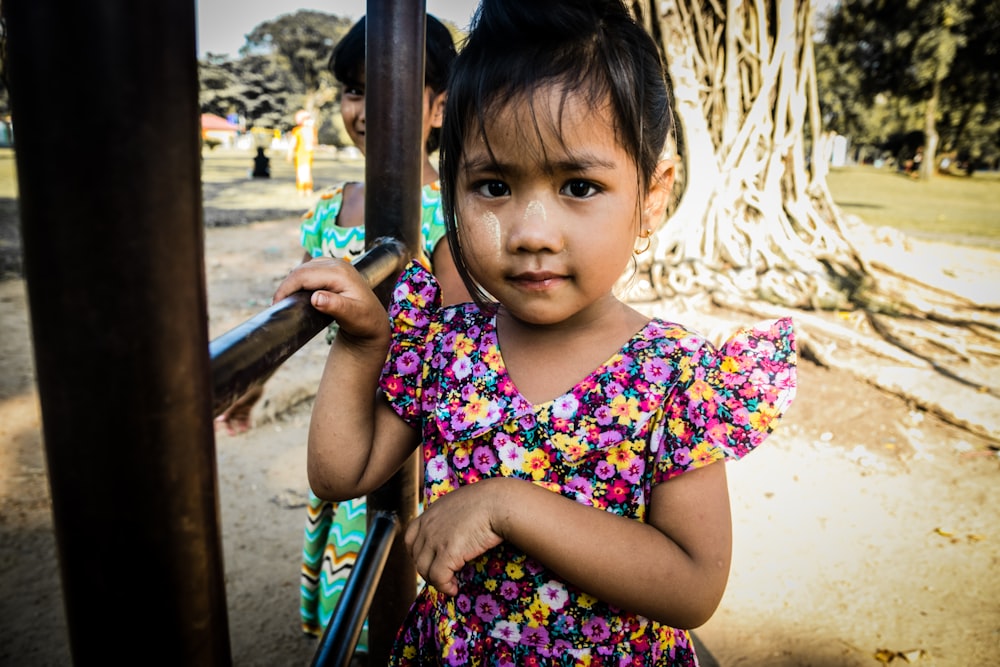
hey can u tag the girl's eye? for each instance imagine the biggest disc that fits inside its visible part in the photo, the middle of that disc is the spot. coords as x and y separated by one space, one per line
354 92
492 189
580 189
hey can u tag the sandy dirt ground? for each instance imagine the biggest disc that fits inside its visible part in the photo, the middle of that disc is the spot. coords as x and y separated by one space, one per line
866 531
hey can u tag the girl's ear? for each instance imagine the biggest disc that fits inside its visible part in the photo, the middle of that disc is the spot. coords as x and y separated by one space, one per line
437 108
660 189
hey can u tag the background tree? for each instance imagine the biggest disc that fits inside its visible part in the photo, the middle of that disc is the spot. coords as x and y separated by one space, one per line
971 114
878 128
745 91
253 87
756 228
282 68
931 54
302 43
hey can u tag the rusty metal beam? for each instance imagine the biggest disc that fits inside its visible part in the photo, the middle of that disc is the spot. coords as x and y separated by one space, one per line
111 220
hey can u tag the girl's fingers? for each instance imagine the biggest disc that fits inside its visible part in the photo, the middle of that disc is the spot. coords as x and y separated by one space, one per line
416 545
442 577
422 554
338 290
438 564
437 570
328 303
332 275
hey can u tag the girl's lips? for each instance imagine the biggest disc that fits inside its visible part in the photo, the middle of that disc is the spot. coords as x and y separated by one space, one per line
537 280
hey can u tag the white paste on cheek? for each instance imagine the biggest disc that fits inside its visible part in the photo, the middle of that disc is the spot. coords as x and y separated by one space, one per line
534 207
491 229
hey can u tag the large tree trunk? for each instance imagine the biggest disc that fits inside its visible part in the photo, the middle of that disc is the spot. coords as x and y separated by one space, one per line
756 228
750 216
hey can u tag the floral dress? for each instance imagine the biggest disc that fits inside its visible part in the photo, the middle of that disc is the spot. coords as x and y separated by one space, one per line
666 403
334 532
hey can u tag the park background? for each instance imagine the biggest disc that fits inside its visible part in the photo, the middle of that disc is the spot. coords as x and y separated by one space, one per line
866 530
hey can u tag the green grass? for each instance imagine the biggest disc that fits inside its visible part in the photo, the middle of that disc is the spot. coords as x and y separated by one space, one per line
948 208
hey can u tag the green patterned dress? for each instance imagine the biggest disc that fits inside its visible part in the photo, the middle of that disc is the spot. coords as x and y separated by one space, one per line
334 531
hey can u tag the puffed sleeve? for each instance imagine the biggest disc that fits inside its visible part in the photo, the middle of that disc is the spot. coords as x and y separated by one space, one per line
415 300
729 399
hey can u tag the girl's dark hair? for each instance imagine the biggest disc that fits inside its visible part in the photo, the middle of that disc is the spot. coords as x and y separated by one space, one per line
347 62
592 48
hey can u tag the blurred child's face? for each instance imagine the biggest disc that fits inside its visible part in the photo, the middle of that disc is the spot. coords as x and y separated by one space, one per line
548 222
352 111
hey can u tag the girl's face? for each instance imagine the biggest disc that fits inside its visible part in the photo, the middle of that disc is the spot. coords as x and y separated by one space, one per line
352 111
548 222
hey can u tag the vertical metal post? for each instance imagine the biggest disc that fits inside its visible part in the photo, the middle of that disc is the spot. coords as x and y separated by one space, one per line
394 108
110 196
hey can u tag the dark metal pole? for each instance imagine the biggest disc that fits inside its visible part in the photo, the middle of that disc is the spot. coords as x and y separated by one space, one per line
110 196
394 109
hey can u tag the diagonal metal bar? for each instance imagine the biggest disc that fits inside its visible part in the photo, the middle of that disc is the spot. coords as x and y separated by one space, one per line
336 647
248 354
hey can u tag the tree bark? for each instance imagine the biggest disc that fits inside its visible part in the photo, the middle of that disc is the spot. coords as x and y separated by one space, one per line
756 224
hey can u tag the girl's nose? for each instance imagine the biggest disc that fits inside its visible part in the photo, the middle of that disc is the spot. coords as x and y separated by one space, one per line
534 230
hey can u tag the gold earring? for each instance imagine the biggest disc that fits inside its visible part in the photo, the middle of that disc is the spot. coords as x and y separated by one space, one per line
644 234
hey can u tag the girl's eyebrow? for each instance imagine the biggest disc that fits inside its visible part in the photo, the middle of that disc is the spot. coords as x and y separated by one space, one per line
480 162
582 162
574 163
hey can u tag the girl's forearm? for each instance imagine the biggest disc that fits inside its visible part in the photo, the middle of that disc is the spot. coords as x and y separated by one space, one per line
632 565
354 438
342 428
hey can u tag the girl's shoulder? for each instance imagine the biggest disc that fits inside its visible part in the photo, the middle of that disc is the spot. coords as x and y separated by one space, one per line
768 340
335 195
416 306
668 341
320 234
432 225
330 199
664 331
431 193
726 399
755 360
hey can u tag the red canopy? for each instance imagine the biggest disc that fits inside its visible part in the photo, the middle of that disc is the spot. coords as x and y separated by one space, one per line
209 121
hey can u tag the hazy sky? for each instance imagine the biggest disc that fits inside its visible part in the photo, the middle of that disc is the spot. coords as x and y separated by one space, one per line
223 23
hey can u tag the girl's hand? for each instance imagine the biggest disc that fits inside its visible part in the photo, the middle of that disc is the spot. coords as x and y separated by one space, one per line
452 531
339 291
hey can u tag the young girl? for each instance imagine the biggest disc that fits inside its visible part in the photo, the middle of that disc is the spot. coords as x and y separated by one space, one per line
576 505
335 228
